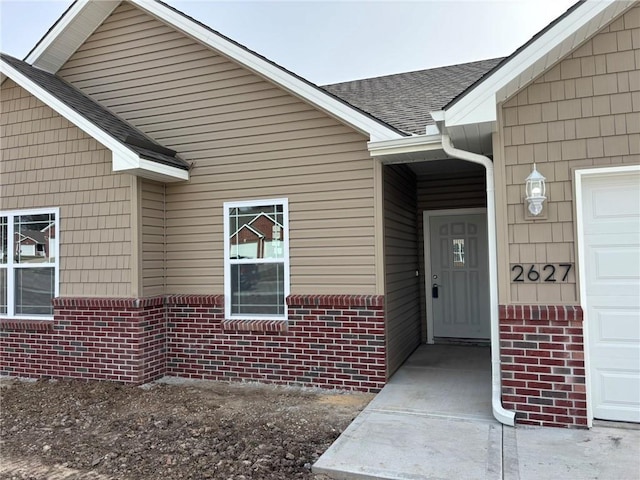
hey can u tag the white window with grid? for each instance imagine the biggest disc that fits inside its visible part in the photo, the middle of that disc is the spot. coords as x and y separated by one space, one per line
29 244
256 259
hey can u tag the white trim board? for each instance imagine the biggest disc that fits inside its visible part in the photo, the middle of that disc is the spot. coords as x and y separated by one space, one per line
426 232
227 206
478 105
579 175
10 269
63 40
123 159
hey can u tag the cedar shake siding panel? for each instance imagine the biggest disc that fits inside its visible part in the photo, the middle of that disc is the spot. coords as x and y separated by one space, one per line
582 113
48 162
402 300
247 139
153 238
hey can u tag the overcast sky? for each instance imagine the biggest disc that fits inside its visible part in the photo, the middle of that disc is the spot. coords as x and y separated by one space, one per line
333 41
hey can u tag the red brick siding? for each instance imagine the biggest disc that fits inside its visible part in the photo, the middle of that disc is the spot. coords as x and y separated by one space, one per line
328 341
543 372
108 339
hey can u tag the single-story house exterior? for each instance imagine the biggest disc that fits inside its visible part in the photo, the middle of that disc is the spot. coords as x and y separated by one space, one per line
392 211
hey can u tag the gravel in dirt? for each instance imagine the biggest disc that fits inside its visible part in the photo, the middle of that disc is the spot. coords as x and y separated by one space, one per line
167 430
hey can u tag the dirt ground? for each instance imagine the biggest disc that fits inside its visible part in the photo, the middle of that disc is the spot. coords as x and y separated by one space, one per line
193 430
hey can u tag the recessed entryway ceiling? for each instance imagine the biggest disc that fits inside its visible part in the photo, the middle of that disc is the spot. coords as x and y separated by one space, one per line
447 166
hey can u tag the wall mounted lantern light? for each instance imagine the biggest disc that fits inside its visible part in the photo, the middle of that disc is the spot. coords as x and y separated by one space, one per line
535 189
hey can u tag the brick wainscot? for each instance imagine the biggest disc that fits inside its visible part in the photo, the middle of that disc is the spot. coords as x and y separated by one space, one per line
543 372
331 341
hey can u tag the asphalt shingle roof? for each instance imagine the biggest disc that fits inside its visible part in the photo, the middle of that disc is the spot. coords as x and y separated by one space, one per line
118 128
404 100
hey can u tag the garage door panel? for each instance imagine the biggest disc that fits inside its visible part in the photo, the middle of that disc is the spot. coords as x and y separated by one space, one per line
616 326
619 391
611 271
611 200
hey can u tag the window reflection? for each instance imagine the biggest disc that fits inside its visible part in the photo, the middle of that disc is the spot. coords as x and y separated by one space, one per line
35 238
256 232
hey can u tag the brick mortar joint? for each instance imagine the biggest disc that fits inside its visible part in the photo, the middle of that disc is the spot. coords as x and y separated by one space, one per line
537 312
26 324
335 301
107 302
262 325
293 301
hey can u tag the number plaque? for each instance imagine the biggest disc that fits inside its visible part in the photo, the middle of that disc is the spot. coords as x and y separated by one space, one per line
545 273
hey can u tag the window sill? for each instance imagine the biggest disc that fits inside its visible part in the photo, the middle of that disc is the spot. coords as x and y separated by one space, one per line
24 324
263 326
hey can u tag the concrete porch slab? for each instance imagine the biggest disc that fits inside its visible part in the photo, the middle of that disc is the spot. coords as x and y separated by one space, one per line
404 446
599 453
432 420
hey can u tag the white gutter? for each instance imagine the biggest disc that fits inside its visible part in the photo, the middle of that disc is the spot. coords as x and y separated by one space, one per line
501 414
416 148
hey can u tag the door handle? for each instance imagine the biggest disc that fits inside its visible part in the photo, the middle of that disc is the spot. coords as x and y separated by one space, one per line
434 290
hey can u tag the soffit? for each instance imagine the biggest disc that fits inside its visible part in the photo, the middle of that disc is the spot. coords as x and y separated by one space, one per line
69 32
562 49
581 22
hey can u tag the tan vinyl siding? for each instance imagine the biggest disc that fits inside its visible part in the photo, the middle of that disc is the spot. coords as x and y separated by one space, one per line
48 162
584 112
463 186
152 237
402 300
247 139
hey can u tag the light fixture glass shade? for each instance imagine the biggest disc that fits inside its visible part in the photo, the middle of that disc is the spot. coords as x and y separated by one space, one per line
535 189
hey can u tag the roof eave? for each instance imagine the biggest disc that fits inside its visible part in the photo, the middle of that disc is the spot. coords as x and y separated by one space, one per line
417 148
69 32
85 16
124 159
478 104
150 170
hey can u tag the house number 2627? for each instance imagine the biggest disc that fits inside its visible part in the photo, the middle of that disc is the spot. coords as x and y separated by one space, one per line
551 272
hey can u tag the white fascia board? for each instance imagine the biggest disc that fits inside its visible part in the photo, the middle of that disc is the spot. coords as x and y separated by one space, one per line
437 115
405 145
116 147
289 82
150 170
69 33
123 158
479 105
167 172
86 15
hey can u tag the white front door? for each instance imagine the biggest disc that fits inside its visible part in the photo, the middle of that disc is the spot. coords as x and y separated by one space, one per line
610 255
458 281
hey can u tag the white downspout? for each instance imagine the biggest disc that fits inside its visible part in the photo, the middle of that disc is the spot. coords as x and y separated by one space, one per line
501 414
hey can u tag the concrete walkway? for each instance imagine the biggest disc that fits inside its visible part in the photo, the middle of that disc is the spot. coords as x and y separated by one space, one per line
433 421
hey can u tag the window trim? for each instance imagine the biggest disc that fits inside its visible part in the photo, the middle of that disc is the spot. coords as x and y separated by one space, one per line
10 266
227 206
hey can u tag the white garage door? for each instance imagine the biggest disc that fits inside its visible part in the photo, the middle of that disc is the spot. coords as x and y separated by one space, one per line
611 254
